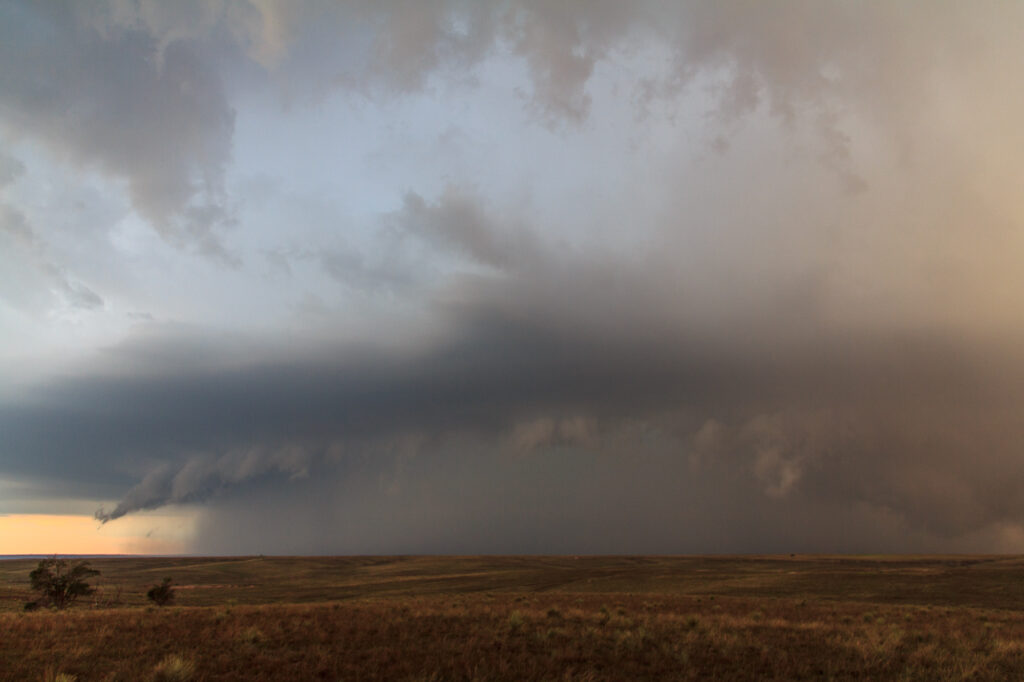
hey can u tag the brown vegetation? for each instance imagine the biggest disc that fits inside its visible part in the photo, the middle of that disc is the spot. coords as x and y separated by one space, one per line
544 619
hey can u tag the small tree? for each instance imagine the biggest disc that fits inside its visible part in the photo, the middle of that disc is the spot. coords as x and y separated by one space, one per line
162 594
59 582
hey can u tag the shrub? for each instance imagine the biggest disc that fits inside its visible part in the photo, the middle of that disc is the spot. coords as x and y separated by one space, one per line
162 594
60 583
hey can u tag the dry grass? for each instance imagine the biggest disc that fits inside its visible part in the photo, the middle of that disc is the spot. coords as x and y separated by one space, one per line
735 623
174 668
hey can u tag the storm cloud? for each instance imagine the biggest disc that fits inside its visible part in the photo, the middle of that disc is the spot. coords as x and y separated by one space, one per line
518 277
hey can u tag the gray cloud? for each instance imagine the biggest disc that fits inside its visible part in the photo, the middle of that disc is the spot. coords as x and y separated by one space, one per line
14 223
112 96
75 293
10 170
458 223
137 89
504 412
12 220
199 478
801 334
32 252
351 268
548 380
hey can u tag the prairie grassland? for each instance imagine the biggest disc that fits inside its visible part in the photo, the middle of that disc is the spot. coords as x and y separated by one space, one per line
534 618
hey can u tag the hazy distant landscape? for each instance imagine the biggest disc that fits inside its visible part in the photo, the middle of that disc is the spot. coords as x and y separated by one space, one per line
539 618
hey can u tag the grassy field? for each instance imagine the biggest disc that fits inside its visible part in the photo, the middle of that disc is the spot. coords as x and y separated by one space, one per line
537 618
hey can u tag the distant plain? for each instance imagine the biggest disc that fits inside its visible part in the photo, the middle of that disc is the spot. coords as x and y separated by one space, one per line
541 618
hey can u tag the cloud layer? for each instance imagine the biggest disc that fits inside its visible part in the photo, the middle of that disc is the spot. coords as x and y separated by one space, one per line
519 277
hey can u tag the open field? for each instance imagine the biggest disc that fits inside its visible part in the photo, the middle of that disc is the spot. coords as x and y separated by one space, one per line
483 618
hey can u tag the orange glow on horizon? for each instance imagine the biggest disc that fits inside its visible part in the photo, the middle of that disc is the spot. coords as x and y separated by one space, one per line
80 534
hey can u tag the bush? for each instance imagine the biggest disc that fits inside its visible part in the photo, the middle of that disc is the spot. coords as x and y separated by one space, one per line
60 583
162 594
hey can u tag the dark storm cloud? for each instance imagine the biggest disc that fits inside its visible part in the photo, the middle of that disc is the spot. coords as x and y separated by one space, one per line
767 359
506 401
565 407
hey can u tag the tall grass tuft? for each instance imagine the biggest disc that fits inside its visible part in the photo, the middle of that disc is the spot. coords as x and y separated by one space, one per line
515 621
50 675
174 668
251 635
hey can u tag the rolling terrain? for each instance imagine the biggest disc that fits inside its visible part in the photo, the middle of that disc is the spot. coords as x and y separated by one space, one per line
491 618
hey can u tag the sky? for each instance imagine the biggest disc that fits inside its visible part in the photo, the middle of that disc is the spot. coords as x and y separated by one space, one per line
447 276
